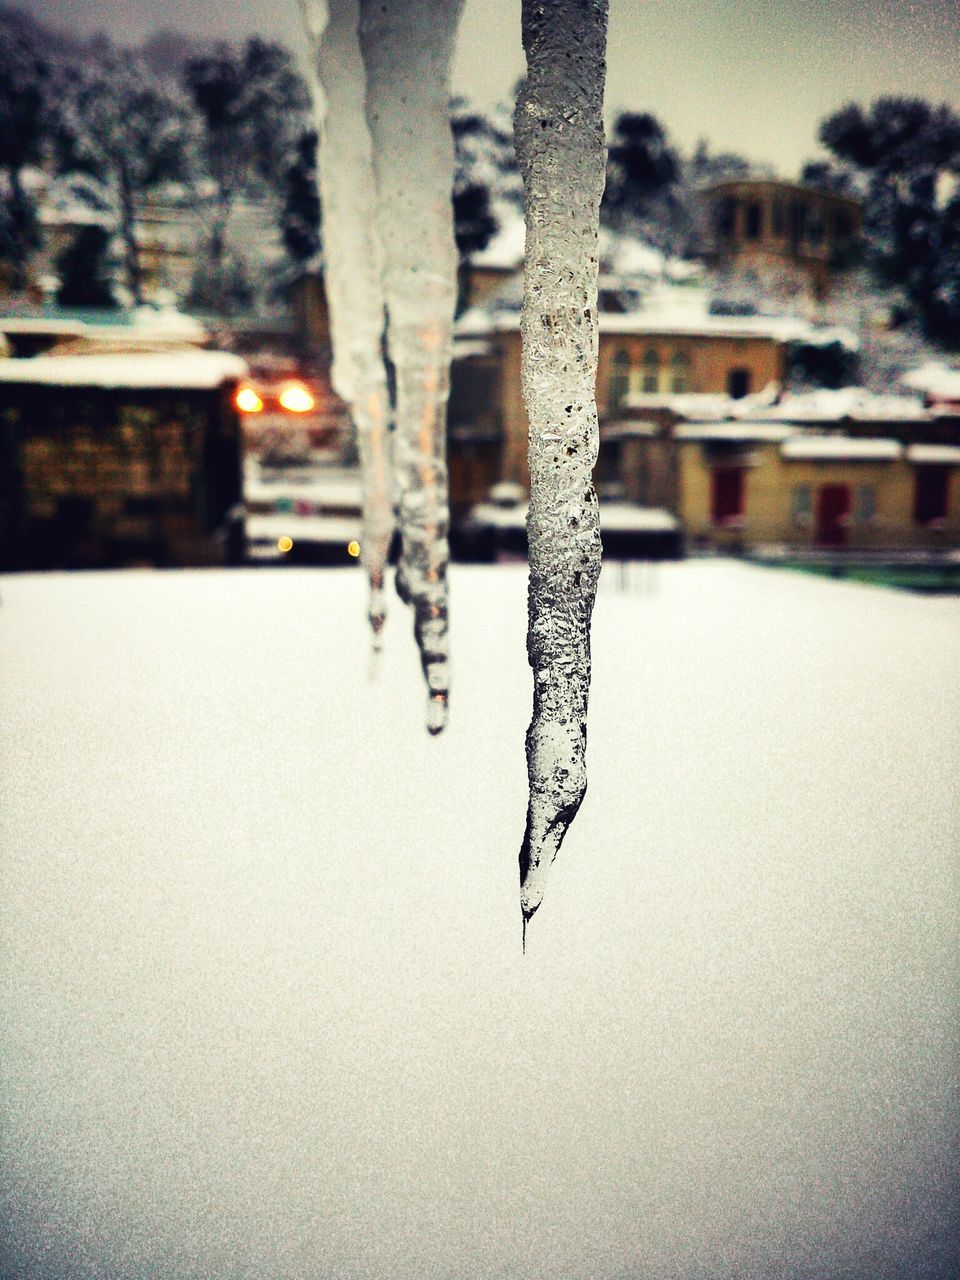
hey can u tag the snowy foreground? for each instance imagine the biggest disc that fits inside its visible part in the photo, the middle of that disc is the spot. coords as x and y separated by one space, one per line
264 1011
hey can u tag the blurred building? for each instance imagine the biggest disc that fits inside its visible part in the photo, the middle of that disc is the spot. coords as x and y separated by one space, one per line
782 237
841 470
120 458
671 345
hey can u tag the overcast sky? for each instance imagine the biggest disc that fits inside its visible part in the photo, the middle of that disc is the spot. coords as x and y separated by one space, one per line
753 76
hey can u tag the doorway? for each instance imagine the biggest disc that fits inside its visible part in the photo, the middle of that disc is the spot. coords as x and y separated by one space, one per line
833 515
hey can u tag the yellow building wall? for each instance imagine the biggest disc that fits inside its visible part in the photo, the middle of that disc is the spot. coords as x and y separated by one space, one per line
711 360
768 503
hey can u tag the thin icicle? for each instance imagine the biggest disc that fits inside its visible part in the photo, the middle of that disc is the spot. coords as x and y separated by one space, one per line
407 51
560 147
352 269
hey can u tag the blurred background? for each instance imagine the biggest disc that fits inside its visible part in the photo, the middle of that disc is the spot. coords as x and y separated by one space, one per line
779 290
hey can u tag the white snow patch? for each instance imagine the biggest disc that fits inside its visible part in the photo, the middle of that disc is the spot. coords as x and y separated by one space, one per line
265 1011
941 454
327 529
734 431
179 370
837 448
934 378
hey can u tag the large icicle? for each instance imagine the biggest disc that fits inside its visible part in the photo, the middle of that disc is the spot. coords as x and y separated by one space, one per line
352 269
407 50
560 147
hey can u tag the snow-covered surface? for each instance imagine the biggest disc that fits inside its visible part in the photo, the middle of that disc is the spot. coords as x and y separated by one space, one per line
734 431
624 517
180 369
265 1012
836 448
330 530
167 322
336 489
683 316
617 517
822 405
945 454
856 403
934 378
625 257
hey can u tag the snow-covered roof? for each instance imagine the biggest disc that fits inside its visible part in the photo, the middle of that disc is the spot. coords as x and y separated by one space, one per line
158 324
464 348
329 491
772 405
808 448
615 517
622 256
935 378
181 370
272 526
760 432
43 325
856 403
624 517
682 319
941 454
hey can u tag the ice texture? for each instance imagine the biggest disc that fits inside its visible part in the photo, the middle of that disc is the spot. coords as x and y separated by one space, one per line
558 128
407 51
352 272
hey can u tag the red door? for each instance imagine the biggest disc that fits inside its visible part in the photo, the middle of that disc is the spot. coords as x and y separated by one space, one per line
833 515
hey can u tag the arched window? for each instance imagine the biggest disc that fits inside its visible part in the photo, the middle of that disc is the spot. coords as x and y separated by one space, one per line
680 373
619 380
651 371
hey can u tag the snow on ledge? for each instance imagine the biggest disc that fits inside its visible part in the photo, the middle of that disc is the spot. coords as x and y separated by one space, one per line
942 454
934 378
181 370
733 431
615 517
840 448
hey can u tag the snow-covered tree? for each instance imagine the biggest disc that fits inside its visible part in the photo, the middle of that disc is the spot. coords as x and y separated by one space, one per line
300 218
475 177
643 188
908 153
119 122
251 106
24 124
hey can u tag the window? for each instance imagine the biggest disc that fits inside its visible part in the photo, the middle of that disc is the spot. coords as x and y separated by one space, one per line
798 224
802 504
864 504
842 227
727 492
725 218
738 383
619 380
754 221
815 229
930 494
651 372
779 218
680 373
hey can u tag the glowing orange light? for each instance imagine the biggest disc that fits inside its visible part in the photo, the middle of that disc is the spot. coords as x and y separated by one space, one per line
247 400
295 398
353 548
284 544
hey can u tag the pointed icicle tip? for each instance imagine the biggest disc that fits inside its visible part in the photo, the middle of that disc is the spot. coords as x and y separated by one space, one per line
437 713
